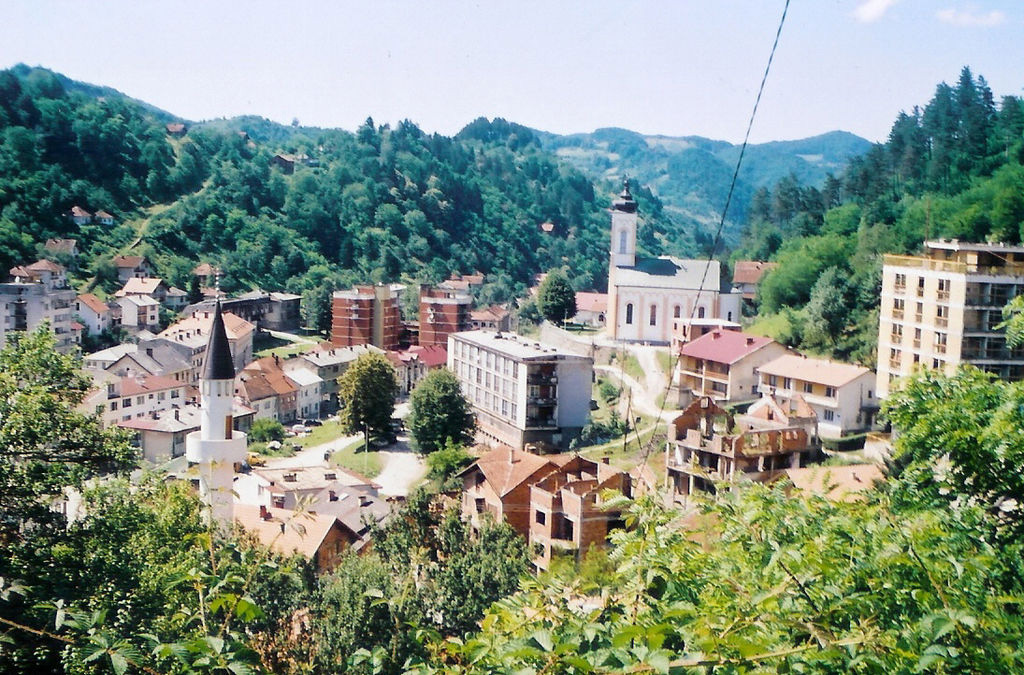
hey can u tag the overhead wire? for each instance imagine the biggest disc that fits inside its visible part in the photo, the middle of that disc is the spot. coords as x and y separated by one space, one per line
674 360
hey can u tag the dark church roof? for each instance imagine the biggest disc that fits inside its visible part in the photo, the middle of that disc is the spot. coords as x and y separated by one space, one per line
219 365
625 202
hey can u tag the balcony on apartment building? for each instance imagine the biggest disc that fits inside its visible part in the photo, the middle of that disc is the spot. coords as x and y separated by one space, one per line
542 377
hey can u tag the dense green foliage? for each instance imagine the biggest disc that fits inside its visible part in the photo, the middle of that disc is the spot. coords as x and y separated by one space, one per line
763 582
439 412
367 392
691 175
45 443
952 169
376 205
428 570
556 300
266 430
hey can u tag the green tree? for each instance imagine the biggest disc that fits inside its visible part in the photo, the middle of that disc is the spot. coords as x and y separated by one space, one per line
367 392
445 462
556 298
46 444
266 430
439 412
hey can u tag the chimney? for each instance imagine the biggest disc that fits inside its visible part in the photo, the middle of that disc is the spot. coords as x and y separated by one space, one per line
364 500
149 351
177 417
750 340
264 513
715 335
606 460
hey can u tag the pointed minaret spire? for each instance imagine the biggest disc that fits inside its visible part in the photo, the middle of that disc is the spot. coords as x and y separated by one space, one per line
219 364
217 447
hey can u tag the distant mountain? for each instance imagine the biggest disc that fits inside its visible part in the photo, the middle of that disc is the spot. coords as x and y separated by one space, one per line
691 174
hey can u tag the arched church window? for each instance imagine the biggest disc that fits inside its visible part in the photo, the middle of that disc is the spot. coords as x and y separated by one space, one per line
700 312
654 315
629 313
622 241
676 312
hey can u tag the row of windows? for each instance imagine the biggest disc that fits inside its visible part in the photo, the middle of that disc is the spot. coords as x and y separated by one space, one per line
487 359
653 316
805 387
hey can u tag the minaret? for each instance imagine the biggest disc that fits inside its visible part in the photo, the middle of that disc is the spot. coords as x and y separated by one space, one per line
216 446
624 219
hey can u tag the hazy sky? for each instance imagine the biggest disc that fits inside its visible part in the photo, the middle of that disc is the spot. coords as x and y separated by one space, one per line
674 67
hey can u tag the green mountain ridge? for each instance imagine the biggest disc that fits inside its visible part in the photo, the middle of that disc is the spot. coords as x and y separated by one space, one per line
691 174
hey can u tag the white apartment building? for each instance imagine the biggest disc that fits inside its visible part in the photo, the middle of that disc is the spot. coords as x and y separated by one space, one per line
942 308
522 391
38 293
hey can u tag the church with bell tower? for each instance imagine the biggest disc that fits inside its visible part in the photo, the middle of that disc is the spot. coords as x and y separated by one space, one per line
647 295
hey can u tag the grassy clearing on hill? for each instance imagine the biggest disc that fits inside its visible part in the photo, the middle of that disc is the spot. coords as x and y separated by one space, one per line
352 457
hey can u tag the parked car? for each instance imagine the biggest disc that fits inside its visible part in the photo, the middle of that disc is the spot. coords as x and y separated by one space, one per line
299 428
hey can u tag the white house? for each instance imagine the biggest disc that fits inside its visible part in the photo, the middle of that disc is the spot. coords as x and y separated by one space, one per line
841 394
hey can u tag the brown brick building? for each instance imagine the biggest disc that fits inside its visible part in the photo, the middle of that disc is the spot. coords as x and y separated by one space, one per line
367 315
554 501
443 312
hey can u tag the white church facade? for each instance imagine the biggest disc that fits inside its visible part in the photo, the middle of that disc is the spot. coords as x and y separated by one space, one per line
647 295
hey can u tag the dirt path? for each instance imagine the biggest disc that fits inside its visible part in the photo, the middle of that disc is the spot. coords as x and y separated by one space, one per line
403 470
643 401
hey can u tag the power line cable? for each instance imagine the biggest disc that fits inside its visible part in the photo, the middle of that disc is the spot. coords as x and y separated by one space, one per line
673 363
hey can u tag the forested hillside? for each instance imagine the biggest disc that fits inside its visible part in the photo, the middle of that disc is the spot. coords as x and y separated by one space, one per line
949 169
691 174
377 205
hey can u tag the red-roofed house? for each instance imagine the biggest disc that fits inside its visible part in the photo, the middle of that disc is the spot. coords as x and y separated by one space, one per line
431 357
723 364
79 216
95 313
151 286
176 129
494 317
103 218
319 537
67 247
591 308
409 370
841 394
747 274
554 501
125 398
129 266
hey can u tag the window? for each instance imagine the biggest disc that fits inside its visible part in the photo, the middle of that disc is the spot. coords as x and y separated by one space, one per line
830 415
622 241
542 518
113 405
140 399
772 380
654 315
808 388
676 312
787 383
830 392
629 314
126 403
901 280
700 312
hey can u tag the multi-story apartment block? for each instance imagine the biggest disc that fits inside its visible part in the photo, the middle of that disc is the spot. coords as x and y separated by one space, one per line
443 312
367 315
943 308
522 392
38 293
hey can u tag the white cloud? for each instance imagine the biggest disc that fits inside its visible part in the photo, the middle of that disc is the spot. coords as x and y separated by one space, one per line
969 17
872 10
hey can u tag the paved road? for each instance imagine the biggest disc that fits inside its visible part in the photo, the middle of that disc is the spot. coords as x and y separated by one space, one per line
642 399
403 469
313 455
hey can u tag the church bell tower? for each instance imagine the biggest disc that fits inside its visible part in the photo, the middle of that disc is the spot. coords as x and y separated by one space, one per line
624 222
